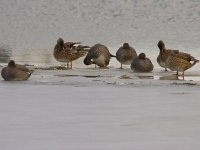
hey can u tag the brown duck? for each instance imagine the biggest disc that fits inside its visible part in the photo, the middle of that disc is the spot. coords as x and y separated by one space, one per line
175 63
126 54
164 54
68 52
98 55
15 72
142 64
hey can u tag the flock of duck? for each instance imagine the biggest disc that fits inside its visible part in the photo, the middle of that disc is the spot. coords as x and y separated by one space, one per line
99 55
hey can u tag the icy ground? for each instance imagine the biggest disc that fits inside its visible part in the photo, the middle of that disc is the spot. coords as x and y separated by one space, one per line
71 109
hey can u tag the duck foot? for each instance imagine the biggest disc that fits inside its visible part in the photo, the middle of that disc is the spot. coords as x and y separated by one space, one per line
103 67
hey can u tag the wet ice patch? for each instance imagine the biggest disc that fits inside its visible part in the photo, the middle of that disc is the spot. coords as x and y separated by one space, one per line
174 77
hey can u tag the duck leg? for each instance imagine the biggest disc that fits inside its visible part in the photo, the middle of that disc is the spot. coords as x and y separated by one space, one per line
71 65
183 75
67 65
121 66
177 73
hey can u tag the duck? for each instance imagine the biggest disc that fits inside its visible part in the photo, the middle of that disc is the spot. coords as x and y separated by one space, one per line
165 53
142 64
125 54
99 55
68 52
176 63
15 72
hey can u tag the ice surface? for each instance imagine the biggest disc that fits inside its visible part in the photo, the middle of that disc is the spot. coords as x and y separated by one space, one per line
92 109
65 117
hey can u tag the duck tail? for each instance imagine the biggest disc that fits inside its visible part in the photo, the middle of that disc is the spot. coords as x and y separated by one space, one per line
86 48
196 61
81 47
111 55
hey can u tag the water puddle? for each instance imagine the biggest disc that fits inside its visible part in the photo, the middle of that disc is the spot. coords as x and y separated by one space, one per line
67 75
179 93
145 77
125 77
174 77
156 77
86 76
52 68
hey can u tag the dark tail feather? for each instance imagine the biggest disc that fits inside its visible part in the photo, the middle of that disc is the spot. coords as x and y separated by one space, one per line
74 43
194 59
82 48
86 47
195 62
112 55
71 44
29 74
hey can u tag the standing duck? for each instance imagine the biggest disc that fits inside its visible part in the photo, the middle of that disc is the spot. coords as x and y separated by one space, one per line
98 55
126 54
67 52
165 53
142 64
175 63
15 72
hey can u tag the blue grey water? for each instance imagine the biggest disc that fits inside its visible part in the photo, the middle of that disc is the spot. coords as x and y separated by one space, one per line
29 29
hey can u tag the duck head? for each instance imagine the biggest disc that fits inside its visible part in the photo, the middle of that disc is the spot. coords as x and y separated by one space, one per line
126 46
161 45
142 56
11 64
60 44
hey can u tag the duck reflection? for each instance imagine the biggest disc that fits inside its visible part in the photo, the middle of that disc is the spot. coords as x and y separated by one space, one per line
170 77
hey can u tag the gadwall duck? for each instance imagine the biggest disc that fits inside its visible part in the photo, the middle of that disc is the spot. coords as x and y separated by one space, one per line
164 54
142 64
15 72
67 52
175 63
98 55
126 54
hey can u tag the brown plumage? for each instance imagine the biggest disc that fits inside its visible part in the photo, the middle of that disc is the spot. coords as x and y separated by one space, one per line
98 55
142 64
165 53
15 72
70 44
67 52
175 63
126 54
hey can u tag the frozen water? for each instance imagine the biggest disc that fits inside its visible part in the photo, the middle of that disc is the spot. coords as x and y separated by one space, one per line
49 117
